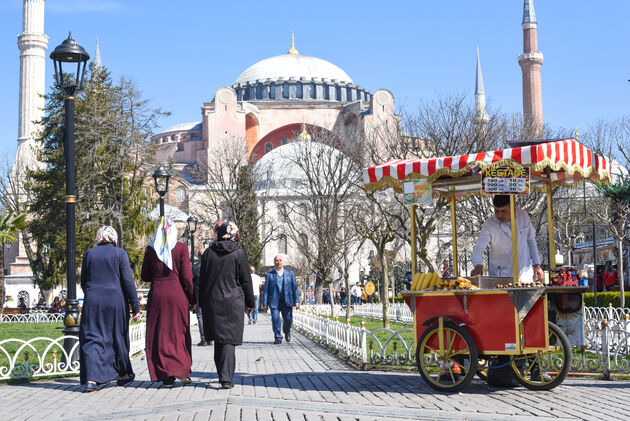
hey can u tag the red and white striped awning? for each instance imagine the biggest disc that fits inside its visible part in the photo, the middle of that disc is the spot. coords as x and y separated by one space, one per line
568 160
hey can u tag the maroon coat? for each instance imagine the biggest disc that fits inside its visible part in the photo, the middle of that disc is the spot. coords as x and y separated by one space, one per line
168 343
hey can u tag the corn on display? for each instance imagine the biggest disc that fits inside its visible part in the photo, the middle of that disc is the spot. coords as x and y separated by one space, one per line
432 282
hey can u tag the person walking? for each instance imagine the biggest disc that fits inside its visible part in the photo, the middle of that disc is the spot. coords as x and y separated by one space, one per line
166 266
280 294
108 290
225 290
256 281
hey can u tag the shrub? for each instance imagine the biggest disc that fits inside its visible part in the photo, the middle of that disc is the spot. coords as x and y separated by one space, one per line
604 299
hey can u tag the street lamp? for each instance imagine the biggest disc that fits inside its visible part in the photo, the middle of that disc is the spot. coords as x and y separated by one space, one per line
70 52
161 177
572 247
192 227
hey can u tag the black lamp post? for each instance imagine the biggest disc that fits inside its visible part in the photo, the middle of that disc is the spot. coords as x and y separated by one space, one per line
161 177
192 227
70 52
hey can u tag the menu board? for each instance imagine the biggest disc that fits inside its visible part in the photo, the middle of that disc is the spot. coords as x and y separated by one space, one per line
505 180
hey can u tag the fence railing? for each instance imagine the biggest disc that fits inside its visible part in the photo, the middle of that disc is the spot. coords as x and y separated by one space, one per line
40 357
606 346
33 317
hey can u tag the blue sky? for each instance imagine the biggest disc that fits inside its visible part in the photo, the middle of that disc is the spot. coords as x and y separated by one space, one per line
179 53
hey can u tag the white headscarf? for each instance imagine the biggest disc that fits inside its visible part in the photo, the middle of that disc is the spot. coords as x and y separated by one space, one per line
165 240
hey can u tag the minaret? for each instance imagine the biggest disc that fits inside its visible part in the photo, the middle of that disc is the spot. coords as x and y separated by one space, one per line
531 62
97 56
32 44
480 95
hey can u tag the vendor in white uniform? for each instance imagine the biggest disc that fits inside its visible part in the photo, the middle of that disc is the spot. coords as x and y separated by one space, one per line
497 233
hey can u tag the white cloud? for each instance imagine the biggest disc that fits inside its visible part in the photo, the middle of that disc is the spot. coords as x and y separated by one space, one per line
65 6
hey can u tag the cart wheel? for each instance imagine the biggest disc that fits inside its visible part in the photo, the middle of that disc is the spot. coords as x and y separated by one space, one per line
449 367
555 363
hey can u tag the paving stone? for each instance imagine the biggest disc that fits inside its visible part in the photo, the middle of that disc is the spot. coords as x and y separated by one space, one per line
302 380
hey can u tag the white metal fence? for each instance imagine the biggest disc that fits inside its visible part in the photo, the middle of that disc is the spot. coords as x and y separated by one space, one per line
39 357
33 317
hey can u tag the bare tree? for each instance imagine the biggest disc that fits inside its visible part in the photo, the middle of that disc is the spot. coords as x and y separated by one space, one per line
222 196
318 180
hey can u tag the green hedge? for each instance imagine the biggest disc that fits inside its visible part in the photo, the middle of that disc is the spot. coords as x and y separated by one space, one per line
604 299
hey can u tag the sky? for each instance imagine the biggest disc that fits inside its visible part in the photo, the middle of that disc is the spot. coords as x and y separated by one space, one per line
180 52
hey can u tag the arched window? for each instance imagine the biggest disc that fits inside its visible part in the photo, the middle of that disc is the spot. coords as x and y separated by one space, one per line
285 90
180 194
268 147
285 140
299 92
313 91
283 246
272 91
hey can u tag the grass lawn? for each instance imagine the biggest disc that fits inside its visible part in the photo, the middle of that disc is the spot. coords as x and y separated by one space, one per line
26 331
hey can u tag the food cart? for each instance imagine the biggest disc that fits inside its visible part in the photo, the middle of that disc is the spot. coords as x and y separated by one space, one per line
459 332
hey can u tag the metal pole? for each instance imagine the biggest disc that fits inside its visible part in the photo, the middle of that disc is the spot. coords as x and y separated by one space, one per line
595 263
161 206
192 248
455 260
412 215
515 268
71 319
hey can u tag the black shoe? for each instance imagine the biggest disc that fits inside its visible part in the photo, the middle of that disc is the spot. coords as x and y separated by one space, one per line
124 381
277 341
202 343
227 385
288 337
169 381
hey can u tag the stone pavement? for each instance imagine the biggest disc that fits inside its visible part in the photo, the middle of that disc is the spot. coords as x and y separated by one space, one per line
303 381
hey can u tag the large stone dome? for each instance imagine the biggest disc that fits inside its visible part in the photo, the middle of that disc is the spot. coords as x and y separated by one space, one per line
293 66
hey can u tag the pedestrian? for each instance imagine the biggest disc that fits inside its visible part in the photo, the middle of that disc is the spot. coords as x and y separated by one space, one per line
355 294
108 290
196 268
225 291
280 295
166 266
256 281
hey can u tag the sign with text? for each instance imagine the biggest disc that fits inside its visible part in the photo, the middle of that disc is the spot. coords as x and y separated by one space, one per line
417 192
506 180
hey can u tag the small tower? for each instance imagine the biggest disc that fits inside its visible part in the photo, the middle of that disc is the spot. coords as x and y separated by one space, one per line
97 56
531 61
32 44
480 95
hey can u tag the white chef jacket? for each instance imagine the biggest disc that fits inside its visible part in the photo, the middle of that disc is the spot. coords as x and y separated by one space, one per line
498 235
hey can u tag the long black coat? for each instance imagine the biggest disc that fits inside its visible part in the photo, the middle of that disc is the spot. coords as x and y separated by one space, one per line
225 289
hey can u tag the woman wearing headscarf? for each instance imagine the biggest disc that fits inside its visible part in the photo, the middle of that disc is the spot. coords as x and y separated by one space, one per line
225 289
166 267
109 290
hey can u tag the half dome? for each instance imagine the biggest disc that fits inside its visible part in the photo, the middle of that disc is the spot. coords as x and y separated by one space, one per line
295 66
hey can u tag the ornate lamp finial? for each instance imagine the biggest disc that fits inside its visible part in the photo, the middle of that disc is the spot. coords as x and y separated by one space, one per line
304 136
293 51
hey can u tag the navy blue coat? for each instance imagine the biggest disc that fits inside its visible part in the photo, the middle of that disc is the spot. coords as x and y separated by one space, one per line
271 292
109 290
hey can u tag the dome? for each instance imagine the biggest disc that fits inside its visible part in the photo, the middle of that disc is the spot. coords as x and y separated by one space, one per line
184 127
295 66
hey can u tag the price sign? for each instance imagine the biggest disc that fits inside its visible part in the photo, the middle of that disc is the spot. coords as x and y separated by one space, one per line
506 180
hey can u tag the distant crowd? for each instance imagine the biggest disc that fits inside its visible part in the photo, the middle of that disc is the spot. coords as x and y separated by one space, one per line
58 305
340 296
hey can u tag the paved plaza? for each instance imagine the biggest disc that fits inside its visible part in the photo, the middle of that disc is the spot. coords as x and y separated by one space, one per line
303 381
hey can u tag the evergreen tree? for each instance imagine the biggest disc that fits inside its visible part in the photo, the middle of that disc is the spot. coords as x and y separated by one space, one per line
112 125
246 216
